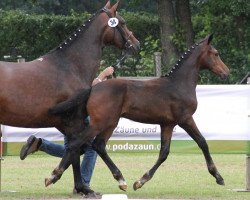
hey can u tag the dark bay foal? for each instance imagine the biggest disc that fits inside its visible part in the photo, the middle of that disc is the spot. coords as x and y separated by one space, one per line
167 101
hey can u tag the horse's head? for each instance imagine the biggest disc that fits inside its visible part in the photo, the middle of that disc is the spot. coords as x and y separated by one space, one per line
210 59
116 32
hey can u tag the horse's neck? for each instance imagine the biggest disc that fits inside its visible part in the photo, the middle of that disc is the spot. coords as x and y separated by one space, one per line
83 54
187 74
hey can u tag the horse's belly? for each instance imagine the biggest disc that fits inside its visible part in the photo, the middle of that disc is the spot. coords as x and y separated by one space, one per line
26 120
25 114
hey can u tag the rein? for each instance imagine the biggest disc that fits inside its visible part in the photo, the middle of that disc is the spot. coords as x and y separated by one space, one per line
115 66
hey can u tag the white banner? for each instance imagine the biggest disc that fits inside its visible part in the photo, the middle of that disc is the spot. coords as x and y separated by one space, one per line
223 114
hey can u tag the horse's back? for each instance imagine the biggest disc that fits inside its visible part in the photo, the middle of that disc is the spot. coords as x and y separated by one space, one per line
123 97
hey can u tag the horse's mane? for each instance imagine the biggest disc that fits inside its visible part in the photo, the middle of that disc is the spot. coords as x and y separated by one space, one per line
184 56
80 30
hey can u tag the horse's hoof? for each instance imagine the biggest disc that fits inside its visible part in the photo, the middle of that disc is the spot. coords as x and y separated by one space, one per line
137 185
48 181
220 181
93 195
123 187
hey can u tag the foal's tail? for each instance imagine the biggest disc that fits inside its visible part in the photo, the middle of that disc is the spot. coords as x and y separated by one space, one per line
76 102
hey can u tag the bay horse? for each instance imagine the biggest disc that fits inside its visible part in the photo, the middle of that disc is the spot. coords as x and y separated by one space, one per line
28 90
168 101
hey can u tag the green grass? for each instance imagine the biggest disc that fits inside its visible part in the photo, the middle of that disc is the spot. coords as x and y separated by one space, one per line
181 176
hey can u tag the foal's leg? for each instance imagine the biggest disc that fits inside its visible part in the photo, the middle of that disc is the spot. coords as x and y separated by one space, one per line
71 156
99 145
191 128
166 134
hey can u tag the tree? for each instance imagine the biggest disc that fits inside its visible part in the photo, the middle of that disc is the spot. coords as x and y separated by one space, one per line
183 15
167 25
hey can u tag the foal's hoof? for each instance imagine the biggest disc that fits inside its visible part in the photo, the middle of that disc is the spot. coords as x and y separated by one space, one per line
123 187
220 181
48 181
137 185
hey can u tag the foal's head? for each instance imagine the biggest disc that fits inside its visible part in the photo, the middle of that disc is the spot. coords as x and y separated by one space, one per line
116 32
210 59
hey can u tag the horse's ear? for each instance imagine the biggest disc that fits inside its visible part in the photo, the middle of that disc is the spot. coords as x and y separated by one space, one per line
114 8
210 37
108 5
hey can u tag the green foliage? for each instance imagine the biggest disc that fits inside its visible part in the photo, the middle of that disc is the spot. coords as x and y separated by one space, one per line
64 7
150 46
34 35
229 21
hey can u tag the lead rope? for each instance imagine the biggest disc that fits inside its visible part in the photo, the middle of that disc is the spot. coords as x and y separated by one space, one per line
115 66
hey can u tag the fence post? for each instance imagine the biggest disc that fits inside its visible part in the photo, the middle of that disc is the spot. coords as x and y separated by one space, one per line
248 158
1 157
247 188
20 60
248 172
157 62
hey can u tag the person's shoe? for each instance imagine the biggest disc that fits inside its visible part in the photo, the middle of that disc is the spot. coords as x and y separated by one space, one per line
31 146
94 195
75 192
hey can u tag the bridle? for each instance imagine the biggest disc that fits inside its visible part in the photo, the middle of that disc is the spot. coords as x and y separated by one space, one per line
127 44
127 41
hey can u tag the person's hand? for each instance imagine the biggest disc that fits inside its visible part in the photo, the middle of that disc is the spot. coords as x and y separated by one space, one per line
108 71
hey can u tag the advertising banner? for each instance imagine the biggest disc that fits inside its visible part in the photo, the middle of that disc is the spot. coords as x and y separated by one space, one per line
223 114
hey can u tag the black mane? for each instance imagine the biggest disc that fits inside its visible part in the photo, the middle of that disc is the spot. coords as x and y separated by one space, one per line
185 55
80 30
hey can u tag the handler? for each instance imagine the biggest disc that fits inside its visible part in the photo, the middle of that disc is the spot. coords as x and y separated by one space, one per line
88 163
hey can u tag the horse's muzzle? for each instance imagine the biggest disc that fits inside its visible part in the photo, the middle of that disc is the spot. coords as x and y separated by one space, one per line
132 48
224 76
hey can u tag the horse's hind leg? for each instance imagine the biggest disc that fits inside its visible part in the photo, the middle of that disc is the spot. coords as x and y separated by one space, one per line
191 128
58 171
166 134
99 146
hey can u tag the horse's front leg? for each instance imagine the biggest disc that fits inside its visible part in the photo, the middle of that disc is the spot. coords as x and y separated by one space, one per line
166 134
71 156
191 128
99 146
75 159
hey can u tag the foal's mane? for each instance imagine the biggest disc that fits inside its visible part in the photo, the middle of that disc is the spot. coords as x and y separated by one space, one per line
80 30
183 57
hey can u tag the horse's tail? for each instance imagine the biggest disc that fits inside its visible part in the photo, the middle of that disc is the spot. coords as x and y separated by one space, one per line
75 102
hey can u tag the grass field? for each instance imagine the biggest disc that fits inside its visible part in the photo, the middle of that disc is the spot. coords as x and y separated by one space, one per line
182 176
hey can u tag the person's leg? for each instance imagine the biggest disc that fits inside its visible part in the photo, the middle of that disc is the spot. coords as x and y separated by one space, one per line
89 160
34 144
88 164
52 148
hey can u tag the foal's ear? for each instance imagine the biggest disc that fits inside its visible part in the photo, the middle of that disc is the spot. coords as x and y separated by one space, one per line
108 5
114 8
210 37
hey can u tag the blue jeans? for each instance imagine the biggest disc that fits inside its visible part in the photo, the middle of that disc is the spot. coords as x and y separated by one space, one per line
88 162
